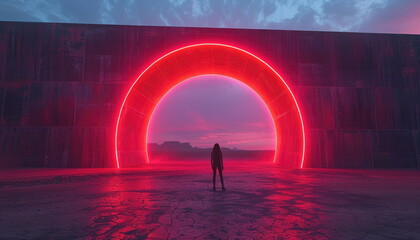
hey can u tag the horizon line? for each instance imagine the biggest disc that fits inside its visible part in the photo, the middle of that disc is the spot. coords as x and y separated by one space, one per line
230 148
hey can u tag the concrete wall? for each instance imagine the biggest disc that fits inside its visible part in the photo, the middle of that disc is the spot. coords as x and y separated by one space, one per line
61 86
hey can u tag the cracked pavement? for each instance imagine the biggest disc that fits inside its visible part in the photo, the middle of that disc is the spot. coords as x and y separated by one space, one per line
174 201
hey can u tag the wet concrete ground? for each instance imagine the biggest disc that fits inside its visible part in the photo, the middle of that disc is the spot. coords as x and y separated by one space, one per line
175 201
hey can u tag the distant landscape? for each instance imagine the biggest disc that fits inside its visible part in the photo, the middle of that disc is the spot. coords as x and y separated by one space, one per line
175 150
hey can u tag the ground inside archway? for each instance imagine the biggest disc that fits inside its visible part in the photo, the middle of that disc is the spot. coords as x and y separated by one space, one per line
175 201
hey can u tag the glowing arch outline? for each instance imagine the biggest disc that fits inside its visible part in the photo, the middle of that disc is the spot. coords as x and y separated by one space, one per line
209 44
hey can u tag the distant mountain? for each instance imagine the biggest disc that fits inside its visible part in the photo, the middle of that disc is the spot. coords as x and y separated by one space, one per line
170 146
184 150
180 146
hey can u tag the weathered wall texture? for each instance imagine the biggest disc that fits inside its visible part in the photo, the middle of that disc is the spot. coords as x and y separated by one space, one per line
61 86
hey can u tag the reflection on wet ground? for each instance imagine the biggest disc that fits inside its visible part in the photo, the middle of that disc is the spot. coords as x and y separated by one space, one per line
175 201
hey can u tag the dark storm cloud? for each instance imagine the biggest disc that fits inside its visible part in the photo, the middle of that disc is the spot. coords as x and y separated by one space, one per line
13 14
340 12
305 19
397 17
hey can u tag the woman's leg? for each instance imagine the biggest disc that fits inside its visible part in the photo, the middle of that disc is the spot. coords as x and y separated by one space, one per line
221 178
214 178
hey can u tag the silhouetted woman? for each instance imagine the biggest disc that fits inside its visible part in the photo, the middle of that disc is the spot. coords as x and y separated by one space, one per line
217 163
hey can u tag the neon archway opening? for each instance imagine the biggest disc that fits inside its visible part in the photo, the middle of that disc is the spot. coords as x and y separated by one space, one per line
202 59
229 105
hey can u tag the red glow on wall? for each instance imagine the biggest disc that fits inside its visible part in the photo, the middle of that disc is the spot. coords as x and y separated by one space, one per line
201 59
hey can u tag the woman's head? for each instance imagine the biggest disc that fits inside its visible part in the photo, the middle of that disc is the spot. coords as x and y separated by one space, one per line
216 147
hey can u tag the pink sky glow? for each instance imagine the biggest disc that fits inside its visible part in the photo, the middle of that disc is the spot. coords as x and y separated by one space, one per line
209 109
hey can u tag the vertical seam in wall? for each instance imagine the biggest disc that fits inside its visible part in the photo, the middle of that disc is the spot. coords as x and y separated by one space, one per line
333 91
82 80
46 155
417 130
416 148
372 162
4 104
334 87
374 89
324 134
375 128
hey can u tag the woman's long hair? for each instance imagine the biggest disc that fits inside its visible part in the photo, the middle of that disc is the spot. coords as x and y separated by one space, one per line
216 150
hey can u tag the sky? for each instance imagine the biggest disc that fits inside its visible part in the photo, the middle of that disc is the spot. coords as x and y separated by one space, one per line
383 16
211 109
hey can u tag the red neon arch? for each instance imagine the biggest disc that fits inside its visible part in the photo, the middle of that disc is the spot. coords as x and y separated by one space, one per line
201 59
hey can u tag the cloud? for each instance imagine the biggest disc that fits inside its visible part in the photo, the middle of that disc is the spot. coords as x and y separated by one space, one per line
11 13
397 17
344 15
326 15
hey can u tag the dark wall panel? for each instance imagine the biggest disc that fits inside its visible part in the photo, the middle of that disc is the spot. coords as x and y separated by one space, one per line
417 140
348 149
51 104
394 149
354 108
396 108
